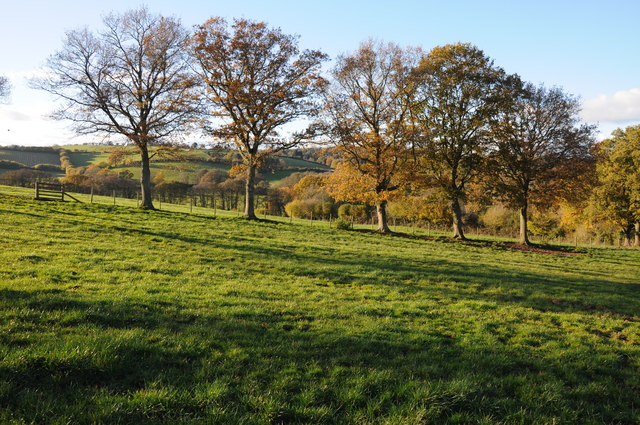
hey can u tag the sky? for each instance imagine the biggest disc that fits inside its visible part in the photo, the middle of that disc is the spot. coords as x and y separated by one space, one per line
591 49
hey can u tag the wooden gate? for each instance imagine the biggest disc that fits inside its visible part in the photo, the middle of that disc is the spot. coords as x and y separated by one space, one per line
51 192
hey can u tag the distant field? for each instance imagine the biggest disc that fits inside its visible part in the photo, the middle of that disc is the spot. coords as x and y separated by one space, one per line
184 172
303 163
30 158
181 171
110 314
84 159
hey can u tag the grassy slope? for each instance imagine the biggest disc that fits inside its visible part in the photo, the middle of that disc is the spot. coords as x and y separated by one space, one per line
114 315
84 155
30 158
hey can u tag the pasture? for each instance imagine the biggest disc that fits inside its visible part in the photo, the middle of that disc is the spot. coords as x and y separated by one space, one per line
185 171
109 314
29 158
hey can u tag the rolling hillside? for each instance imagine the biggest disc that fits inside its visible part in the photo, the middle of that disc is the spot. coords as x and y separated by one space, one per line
184 171
85 155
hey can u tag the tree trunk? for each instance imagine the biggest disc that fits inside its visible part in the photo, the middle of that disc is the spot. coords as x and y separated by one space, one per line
250 193
629 235
637 236
524 230
381 209
458 231
145 180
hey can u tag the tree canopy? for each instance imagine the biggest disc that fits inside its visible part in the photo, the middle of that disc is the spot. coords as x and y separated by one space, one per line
458 93
616 198
130 80
368 110
539 147
257 82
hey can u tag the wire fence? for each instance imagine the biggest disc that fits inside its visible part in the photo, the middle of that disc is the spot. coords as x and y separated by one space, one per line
212 203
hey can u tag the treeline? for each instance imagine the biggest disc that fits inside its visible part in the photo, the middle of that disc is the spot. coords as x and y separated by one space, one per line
443 134
602 214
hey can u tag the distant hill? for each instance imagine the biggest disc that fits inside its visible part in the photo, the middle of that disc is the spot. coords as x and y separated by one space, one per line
86 155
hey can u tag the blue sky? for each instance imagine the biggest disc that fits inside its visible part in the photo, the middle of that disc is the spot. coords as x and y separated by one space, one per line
590 48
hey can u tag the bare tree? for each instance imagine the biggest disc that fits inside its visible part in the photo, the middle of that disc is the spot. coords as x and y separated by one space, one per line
539 147
257 82
369 113
457 96
5 88
130 80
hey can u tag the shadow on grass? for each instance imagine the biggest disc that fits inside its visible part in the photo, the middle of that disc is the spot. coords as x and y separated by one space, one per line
538 248
518 284
126 362
576 290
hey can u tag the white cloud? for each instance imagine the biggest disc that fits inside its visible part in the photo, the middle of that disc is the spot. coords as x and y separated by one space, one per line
13 115
620 107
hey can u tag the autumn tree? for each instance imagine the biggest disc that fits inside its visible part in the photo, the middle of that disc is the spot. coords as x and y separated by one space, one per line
368 112
131 80
540 147
616 198
5 88
257 81
458 93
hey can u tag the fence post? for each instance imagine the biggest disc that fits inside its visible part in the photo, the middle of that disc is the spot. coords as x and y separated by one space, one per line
92 194
113 192
37 190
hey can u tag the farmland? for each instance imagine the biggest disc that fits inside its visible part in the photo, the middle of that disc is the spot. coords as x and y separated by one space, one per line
183 171
30 158
109 314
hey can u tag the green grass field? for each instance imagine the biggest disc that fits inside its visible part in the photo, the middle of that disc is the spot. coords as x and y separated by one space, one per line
85 155
109 314
84 159
29 158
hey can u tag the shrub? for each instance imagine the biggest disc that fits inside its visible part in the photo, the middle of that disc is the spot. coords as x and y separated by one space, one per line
351 211
65 162
500 218
343 224
48 167
308 208
546 225
429 207
24 177
11 165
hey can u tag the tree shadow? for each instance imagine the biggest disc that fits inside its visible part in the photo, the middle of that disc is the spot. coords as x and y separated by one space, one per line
522 287
146 364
